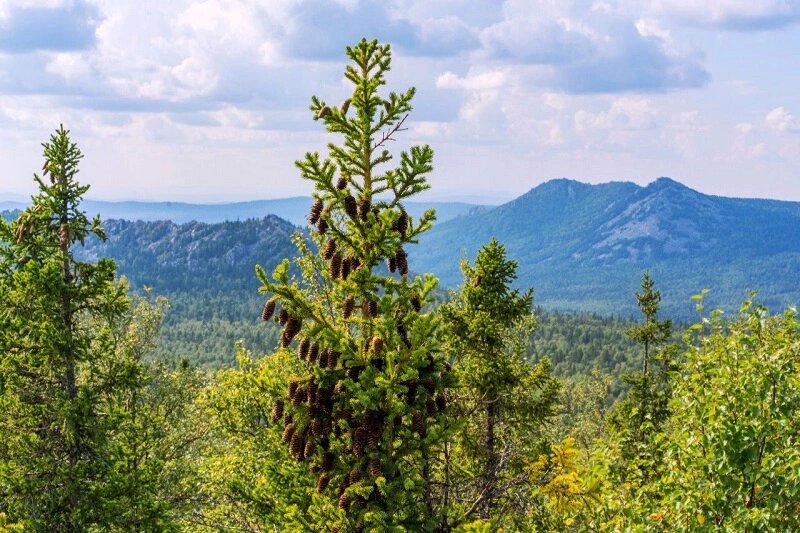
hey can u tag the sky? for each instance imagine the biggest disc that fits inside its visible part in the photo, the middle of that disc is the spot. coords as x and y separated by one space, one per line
207 101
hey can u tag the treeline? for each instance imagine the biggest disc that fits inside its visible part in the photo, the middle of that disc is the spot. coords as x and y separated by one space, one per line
379 411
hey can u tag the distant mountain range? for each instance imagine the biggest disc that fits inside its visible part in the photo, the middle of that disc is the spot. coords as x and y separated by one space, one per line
582 247
585 246
295 210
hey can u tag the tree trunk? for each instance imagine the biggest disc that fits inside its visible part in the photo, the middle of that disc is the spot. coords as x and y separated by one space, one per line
490 474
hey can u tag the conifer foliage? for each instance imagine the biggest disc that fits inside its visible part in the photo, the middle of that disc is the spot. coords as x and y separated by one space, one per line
57 362
357 414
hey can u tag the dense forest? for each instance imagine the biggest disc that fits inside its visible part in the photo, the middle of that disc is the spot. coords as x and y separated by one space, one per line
365 398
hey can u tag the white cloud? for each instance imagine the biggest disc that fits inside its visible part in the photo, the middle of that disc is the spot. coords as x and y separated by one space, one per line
780 121
731 14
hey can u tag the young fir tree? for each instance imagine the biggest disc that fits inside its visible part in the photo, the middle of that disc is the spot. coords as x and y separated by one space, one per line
503 398
643 413
360 411
56 325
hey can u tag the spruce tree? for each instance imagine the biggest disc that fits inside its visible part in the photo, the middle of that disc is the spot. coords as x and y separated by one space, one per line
57 344
503 399
359 414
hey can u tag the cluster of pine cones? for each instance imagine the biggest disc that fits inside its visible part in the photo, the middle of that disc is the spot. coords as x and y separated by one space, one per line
316 412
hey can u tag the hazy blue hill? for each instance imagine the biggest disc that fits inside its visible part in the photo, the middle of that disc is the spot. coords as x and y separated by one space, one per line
295 210
584 246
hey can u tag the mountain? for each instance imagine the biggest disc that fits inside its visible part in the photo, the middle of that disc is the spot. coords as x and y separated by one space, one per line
585 246
295 210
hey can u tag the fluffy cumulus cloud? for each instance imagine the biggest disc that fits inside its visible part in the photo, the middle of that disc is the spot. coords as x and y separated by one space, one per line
569 85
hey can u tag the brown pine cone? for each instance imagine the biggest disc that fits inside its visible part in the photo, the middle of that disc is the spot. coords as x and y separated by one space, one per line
339 388
293 326
418 423
326 427
441 403
322 482
333 359
374 439
299 397
341 183
363 208
354 372
312 392
269 309
330 249
416 303
283 317
351 207
430 406
302 349
392 264
348 306
316 427
354 476
288 432
316 210
292 389
309 449
313 352
335 268
372 308
377 344
344 271
374 467
402 223
277 411
401 261
323 359
322 226
344 501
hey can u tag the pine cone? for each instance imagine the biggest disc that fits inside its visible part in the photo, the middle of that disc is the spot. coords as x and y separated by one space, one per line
269 309
341 184
377 344
416 303
401 260
344 501
283 317
333 359
402 223
392 264
355 263
312 391
277 411
441 403
372 308
308 451
345 269
354 372
401 330
323 359
348 306
313 352
316 210
430 406
293 384
345 106
330 249
351 207
359 439
316 427
299 397
335 266
354 476
322 482
326 427
302 349
293 326
322 226
412 390
288 432
418 423
324 112
363 208
374 439
375 469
